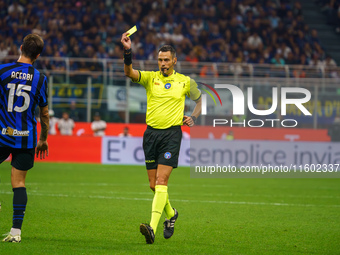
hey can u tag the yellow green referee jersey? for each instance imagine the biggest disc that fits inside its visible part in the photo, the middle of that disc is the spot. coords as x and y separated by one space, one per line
166 97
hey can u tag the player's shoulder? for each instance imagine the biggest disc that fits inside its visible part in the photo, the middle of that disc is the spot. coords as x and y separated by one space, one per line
42 75
151 73
148 75
182 77
8 66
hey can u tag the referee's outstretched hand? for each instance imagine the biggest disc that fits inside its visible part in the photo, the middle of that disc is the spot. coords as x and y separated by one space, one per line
42 149
188 121
126 41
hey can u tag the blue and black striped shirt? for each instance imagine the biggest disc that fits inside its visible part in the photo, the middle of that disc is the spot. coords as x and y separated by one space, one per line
22 89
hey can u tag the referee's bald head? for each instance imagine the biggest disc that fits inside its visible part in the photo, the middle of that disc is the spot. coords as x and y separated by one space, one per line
166 48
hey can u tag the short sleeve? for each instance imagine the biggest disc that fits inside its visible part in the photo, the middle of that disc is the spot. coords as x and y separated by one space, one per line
43 94
144 78
194 93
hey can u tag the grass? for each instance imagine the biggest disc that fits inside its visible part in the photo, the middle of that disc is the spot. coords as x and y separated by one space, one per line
97 209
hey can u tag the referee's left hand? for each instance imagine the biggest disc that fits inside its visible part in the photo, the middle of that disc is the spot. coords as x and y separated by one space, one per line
188 121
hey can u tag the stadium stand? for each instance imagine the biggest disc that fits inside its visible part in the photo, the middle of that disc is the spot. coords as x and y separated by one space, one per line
323 15
241 31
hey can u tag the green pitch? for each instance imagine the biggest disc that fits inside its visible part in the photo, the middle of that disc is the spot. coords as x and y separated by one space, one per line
97 209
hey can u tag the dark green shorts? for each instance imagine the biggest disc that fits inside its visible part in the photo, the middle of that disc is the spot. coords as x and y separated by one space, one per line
161 146
22 159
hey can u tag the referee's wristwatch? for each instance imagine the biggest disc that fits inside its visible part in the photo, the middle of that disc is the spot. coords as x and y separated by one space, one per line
193 119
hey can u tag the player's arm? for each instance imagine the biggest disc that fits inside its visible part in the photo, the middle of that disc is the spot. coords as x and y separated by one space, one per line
197 110
190 120
42 146
128 70
195 95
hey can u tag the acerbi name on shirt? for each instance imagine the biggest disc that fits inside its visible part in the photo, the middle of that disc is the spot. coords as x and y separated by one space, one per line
22 76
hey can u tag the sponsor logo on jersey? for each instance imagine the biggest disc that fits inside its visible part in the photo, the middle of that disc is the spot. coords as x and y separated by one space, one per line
14 132
167 155
167 86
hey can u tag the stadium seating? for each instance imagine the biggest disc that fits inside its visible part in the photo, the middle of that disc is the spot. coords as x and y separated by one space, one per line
241 31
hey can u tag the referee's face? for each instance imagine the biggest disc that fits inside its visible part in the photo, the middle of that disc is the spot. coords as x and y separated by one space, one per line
165 62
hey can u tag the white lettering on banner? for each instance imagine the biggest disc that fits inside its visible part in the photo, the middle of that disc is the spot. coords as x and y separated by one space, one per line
129 151
252 152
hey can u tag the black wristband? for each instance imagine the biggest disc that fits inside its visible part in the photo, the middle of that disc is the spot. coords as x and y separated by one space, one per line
127 57
193 118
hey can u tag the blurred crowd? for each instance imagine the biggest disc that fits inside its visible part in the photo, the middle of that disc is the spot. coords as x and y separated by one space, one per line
240 31
331 8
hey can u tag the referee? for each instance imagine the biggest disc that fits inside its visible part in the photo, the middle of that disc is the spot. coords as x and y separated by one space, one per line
22 89
166 90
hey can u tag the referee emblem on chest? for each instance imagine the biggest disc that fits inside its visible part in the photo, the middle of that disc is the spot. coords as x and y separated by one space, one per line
167 86
167 155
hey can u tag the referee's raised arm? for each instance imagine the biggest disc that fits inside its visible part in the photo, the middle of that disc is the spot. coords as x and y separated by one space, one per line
128 70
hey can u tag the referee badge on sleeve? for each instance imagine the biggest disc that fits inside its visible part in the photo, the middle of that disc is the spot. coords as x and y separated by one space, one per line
167 155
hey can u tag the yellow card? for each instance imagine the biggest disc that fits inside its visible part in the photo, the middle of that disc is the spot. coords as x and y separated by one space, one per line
132 30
